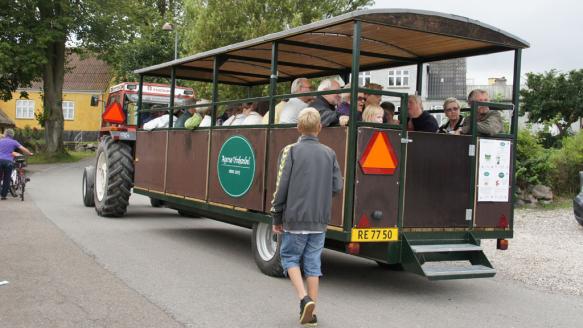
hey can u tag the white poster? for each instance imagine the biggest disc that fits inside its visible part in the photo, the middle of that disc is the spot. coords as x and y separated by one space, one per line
493 170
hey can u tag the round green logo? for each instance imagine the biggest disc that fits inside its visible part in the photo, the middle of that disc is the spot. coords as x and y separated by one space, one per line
236 166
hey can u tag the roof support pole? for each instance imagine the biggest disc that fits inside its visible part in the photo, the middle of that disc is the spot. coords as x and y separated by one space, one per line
514 124
352 129
419 85
273 82
172 92
215 90
140 92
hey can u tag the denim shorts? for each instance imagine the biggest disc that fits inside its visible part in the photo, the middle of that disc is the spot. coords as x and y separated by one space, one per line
302 248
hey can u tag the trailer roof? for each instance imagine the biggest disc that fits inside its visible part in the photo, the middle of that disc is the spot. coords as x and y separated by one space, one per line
389 38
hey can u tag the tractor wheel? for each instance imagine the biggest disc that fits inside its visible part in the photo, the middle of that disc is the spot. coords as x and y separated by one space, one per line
266 245
88 186
114 172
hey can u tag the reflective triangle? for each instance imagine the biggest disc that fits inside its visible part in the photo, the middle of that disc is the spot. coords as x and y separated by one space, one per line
379 156
114 114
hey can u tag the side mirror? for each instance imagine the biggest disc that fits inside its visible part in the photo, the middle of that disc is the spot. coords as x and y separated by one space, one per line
94 101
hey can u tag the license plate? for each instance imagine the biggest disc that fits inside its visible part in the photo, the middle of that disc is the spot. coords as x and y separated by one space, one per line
374 235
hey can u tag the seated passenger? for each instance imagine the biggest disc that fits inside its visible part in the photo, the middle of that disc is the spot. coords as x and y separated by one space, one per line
373 113
289 112
451 108
489 121
254 114
419 120
373 99
344 107
179 123
162 121
326 104
200 118
277 110
236 114
389 109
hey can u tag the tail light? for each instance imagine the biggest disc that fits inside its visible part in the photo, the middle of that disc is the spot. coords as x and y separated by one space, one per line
502 244
353 248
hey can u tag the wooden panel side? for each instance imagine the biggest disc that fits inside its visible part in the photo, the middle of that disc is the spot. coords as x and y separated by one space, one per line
150 160
186 173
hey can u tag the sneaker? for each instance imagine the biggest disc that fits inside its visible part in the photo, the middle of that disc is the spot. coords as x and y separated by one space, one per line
313 322
306 309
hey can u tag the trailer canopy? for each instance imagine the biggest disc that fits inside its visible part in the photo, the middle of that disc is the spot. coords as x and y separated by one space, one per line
389 38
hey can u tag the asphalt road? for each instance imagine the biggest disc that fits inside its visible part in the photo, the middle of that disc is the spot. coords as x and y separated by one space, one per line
154 268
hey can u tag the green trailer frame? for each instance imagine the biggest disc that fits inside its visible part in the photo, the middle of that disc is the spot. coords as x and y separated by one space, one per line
346 45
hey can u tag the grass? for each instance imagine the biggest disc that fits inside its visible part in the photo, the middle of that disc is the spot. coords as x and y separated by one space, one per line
558 203
68 157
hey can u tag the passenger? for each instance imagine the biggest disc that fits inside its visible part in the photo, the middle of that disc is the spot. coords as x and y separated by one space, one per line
204 112
229 114
373 114
254 116
451 108
373 99
289 113
179 123
420 120
389 109
277 111
489 121
237 117
301 209
326 104
344 107
160 122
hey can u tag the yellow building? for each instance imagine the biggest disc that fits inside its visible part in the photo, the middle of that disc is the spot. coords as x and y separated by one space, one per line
85 78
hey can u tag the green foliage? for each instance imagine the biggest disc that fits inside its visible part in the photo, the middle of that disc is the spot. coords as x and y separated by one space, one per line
210 24
554 98
31 138
567 162
532 161
64 157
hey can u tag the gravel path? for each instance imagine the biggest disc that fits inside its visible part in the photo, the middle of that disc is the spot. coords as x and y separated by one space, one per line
545 253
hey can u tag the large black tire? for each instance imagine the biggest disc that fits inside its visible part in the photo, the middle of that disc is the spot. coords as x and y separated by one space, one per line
114 176
88 185
266 246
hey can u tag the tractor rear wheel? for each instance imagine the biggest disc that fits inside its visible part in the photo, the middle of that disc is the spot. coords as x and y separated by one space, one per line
114 172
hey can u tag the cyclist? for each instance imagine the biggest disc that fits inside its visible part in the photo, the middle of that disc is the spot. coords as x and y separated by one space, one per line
7 146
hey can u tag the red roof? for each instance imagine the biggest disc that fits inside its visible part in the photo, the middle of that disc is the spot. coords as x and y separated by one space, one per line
87 74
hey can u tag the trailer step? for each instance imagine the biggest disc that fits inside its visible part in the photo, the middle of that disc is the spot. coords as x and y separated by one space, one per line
439 271
445 248
439 259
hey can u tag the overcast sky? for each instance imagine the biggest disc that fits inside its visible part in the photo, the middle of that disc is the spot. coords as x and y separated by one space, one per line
554 29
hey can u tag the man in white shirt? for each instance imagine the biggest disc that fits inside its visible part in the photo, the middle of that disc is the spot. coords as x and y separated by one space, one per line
162 121
291 110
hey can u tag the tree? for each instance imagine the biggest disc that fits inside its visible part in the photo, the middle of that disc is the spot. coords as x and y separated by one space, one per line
210 24
35 35
554 98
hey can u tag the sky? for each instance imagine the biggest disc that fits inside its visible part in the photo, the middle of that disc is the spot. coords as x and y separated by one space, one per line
554 29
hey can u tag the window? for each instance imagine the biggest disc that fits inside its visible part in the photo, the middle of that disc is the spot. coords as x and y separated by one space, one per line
363 78
68 110
25 109
398 78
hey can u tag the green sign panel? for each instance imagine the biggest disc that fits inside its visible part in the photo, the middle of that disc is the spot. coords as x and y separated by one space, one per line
236 166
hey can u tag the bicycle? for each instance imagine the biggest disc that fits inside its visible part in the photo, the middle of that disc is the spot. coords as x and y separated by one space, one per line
19 179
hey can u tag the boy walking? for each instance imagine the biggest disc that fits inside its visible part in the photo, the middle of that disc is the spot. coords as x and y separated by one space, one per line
307 178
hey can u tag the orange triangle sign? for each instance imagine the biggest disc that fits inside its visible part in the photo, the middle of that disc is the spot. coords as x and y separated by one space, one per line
379 156
363 222
114 114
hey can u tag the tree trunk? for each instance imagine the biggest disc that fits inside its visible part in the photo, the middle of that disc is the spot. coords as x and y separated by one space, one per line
54 75
53 79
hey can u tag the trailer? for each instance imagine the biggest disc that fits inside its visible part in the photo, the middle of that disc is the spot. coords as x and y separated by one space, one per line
412 200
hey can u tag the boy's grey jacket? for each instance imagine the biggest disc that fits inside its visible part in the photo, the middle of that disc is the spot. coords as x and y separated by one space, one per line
308 176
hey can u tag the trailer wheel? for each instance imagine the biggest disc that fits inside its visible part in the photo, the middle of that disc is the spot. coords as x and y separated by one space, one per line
114 171
156 202
265 245
88 185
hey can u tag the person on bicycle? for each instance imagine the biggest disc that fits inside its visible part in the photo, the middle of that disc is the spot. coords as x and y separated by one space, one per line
7 146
